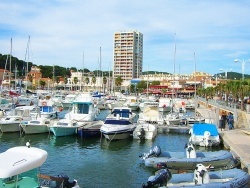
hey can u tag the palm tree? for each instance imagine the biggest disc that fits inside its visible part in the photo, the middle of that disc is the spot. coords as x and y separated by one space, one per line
104 80
93 81
118 82
65 82
75 81
87 82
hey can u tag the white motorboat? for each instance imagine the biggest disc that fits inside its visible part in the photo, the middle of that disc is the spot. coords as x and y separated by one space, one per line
119 124
83 109
48 109
132 103
11 121
151 113
201 178
57 99
67 102
173 119
36 126
18 163
18 160
145 131
65 127
204 134
165 105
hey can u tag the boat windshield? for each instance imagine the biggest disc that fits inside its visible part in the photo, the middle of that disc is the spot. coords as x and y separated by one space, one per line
117 122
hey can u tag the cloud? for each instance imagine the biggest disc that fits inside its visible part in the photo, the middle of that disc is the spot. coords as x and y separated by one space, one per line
61 31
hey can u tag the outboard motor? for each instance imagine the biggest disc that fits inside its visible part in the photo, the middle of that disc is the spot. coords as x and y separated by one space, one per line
66 182
161 179
190 150
206 139
201 175
154 152
141 134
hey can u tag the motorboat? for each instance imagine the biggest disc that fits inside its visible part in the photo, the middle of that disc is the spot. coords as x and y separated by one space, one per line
190 120
201 177
11 121
185 161
67 101
119 124
145 131
172 119
204 134
151 113
90 129
83 109
57 99
165 104
36 126
132 103
48 109
99 101
19 162
65 127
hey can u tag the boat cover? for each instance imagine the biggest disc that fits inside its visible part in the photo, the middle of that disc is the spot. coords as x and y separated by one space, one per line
200 128
21 159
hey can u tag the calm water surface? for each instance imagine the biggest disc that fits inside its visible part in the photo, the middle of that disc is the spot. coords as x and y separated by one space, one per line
95 162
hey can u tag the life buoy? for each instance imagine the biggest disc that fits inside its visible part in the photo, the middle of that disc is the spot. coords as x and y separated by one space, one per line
44 103
60 109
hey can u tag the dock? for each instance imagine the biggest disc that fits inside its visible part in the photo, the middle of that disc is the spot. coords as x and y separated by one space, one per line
176 129
236 140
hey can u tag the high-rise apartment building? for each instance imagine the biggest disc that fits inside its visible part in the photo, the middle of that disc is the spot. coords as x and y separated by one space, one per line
128 54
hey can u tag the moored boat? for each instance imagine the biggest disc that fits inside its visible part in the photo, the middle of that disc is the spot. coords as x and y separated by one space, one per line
145 131
204 134
185 161
36 126
119 124
90 129
201 177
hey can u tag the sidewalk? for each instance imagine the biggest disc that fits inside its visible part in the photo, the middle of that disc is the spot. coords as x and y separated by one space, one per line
237 140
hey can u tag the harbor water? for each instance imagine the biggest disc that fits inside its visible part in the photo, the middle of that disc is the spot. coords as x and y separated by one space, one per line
96 162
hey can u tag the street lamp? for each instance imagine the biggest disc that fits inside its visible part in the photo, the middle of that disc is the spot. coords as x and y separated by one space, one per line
242 65
226 71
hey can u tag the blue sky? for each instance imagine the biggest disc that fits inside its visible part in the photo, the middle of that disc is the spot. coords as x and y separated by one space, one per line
217 32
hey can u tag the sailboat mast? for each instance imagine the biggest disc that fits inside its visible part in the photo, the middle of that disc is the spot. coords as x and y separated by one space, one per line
10 61
27 66
195 85
83 67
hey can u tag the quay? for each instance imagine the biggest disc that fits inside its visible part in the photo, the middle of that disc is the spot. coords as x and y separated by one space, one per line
236 140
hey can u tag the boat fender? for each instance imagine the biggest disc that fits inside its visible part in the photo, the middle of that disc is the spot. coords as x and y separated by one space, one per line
201 175
161 178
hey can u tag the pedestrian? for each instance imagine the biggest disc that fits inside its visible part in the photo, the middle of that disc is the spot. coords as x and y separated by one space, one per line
223 120
230 121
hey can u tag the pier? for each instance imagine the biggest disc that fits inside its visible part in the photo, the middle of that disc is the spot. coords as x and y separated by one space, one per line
236 140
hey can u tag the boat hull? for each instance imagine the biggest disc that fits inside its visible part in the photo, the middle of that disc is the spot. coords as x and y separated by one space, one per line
149 131
34 129
177 161
118 135
63 131
13 127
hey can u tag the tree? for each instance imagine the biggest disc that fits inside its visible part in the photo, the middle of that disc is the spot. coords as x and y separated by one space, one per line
75 82
104 80
141 86
132 88
42 83
118 82
93 81
155 83
87 82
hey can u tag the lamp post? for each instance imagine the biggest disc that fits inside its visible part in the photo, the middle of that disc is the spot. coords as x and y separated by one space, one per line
226 71
243 62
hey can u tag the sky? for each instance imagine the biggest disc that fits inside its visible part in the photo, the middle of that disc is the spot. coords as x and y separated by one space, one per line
179 36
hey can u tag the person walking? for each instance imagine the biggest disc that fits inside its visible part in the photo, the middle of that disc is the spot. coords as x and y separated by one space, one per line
230 121
223 121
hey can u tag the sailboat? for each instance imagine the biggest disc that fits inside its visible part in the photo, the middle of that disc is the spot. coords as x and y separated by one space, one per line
196 118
